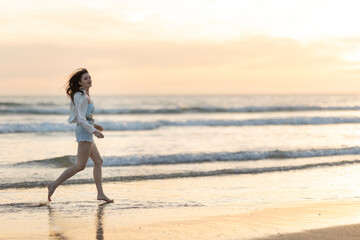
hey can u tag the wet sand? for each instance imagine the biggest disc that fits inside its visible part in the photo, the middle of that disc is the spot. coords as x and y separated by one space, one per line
269 223
346 232
147 210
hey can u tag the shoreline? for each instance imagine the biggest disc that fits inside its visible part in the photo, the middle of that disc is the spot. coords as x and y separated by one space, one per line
74 214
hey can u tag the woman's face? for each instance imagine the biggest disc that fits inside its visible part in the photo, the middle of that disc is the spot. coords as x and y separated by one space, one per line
85 80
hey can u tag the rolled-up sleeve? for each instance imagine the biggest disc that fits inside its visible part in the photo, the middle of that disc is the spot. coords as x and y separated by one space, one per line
80 111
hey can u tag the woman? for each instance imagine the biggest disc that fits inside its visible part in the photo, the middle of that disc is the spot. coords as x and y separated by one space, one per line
81 112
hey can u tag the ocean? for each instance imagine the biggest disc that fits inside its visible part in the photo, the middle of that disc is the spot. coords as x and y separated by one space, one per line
281 147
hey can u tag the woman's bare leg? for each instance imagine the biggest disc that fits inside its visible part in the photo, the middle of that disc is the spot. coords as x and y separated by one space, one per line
84 149
95 156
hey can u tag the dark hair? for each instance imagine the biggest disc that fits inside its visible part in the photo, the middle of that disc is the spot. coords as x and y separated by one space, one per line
73 86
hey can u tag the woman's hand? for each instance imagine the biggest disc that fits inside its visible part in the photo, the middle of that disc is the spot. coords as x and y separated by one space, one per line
99 127
98 134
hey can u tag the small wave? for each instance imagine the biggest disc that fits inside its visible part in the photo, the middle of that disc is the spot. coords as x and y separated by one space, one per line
220 172
63 161
24 205
11 104
35 127
136 160
34 110
22 108
223 156
50 104
27 102
130 204
138 125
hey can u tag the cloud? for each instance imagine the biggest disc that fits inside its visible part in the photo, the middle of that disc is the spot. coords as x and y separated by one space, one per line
160 20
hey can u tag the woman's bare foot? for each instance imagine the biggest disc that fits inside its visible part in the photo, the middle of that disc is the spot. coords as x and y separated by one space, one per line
51 190
105 198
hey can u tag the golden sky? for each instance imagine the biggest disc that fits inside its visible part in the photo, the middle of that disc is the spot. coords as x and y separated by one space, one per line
181 47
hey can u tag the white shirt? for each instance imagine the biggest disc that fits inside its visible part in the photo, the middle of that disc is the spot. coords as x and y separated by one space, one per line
78 111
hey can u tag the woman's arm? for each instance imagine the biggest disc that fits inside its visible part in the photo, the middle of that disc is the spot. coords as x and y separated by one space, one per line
80 111
98 127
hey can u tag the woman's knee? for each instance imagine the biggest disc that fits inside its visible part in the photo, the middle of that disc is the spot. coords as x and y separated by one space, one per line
80 167
98 162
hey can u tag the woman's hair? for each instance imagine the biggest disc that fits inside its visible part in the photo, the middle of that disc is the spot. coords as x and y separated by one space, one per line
72 85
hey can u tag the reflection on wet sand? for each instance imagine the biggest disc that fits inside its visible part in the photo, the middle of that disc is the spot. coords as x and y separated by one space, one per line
57 232
99 225
54 232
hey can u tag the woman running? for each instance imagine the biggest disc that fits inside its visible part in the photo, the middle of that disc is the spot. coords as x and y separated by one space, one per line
81 113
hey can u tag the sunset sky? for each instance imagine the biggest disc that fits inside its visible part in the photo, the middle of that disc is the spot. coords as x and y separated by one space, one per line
181 47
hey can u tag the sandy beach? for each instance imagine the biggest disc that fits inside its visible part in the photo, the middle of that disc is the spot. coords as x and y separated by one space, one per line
75 214
348 232
300 221
246 172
